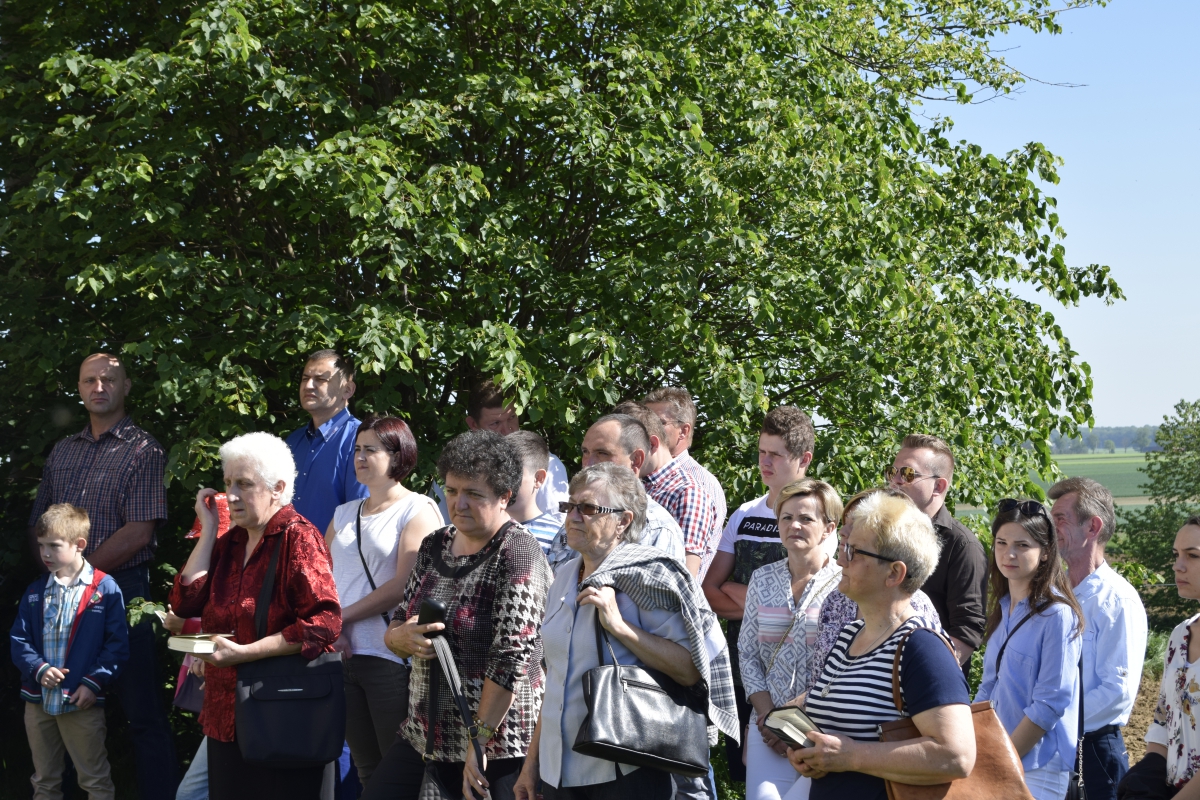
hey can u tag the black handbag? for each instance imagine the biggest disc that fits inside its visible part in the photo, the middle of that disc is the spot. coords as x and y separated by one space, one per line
1075 788
290 712
190 694
1147 780
640 716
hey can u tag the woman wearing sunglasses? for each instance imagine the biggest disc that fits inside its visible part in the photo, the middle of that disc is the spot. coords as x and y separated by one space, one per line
1034 637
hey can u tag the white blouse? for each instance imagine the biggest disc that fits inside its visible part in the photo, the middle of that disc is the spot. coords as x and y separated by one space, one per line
1174 724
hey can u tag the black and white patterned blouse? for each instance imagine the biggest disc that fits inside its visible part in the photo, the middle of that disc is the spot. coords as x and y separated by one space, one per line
494 610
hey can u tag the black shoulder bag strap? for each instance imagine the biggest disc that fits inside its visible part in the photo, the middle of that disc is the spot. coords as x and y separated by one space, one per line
264 594
1004 646
445 657
358 541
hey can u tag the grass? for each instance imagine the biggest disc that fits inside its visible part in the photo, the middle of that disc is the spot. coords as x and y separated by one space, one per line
1119 472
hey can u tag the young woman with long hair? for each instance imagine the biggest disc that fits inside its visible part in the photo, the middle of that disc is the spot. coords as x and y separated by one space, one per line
1034 638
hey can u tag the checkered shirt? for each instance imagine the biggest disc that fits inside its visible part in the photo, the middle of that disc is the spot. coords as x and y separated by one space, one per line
708 481
58 616
692 506
117 479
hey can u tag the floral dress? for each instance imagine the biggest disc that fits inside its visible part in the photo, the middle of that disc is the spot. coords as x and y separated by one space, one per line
1174 724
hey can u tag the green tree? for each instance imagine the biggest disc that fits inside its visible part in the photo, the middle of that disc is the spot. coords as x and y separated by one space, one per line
1173 486
1141 440
1110 446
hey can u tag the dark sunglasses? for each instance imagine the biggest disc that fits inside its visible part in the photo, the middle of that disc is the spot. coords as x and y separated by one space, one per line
905 474
587 509
1029 508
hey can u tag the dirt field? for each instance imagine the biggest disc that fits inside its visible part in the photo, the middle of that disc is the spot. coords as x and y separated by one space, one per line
1139 721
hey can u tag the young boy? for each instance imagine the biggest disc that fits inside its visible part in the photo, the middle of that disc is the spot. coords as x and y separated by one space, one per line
69 639
523 508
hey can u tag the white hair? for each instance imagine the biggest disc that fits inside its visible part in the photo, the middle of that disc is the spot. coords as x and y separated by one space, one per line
269 455
902 533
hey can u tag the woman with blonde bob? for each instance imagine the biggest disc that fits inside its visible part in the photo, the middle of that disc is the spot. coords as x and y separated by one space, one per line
890 551
783 603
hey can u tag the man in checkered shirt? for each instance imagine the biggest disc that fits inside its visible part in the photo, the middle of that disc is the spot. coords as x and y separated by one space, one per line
114 470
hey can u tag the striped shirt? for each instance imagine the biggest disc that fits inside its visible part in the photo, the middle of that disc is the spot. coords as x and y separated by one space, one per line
545 527
117 479
859 696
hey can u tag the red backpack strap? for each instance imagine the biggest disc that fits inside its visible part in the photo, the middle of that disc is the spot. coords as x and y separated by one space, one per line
88 592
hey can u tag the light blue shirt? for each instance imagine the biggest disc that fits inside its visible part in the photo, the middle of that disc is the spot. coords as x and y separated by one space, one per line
1038 678
569 640
325 468
1115 621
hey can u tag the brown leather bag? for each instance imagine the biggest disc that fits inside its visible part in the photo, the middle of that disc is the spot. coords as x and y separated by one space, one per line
997 775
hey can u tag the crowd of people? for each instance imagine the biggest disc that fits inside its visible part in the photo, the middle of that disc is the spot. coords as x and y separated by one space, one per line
533 568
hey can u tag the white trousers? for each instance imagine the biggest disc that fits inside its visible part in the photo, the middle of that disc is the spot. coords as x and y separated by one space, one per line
770 776
1049 782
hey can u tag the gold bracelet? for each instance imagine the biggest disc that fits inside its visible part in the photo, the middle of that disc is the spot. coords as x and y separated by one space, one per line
480 729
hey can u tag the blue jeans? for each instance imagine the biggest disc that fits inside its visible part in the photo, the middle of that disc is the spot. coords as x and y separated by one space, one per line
1105 763
194 785
138 687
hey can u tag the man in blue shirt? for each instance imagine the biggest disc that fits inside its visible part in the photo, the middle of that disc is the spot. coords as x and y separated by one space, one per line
1114 639
324 448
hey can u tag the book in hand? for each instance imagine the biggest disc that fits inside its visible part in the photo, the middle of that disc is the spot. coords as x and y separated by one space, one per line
791 725
196 642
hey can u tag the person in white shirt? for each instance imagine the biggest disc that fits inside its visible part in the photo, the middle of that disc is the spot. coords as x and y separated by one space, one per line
489 410
1114 640
523 508
621 439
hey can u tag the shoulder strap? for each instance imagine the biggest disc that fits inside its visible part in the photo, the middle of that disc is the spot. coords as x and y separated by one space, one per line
358 541
450 672
896 698
600 650
88 592
1004 646
264 595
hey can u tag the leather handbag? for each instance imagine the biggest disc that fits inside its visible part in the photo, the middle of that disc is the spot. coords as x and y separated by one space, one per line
290 712
640 716
997 775
1075 788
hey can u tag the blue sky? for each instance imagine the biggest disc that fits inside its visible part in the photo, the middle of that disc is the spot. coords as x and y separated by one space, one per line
1130 136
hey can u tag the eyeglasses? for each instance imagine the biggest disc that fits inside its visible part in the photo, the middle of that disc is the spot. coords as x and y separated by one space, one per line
851 551
587 509
905 474
1030 508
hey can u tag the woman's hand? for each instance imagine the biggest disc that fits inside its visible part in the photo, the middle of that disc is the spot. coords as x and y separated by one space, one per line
342 645
605 601
526 786
172 622
207 515
829 753
771 740
409 639
196 667
474 783
228 653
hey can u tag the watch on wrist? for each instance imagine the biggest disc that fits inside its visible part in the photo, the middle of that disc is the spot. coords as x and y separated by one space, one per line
479 730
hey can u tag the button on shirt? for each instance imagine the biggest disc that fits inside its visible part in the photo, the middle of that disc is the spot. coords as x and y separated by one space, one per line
1114 645
117 479
1038 678
569 640
325 468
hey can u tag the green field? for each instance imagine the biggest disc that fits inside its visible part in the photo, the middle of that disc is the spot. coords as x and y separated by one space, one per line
1117 471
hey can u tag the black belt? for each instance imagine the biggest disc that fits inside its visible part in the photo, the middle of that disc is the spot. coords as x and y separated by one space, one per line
1105 731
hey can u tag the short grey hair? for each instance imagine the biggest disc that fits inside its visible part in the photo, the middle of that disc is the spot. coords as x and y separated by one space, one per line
1091 500
902 533
620 488
270 457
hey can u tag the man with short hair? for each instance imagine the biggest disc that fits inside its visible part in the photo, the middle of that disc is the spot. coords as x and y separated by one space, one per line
114 470
621 439
751 540
488 409
923 470
678 491
523 508
324 448
1114 639
675 407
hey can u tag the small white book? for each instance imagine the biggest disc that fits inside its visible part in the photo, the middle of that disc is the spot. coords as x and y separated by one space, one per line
196 642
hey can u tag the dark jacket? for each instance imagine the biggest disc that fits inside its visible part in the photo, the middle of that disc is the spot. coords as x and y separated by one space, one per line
958 586
98 646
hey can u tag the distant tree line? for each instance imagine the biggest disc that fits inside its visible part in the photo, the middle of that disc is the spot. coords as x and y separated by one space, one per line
1131 437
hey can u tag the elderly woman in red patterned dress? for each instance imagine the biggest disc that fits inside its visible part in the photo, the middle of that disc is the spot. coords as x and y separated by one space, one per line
220 583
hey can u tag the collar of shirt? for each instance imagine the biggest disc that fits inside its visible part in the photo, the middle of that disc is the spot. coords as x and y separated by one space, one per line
662 473
942 519
274 525
84 577
331 426
1094 583
118 430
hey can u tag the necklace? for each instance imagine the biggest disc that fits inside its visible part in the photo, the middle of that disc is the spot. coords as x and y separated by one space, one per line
833 678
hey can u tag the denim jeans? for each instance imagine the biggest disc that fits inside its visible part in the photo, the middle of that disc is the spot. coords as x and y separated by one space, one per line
1105 763
194 785
138 687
